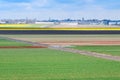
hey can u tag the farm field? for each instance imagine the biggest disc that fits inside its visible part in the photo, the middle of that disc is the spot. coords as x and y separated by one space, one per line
12 26
46 64
112 50
70 39
58 27
5 42
50 64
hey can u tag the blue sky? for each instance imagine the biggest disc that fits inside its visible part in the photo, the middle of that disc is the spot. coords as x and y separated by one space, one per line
60 9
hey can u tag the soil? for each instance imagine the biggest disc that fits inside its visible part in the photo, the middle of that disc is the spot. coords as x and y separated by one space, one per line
83 43
75 41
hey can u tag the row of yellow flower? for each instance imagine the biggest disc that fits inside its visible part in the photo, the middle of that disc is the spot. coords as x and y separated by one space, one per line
98 28
14 25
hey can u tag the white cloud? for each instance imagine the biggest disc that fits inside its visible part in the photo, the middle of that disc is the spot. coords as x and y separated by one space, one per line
35 9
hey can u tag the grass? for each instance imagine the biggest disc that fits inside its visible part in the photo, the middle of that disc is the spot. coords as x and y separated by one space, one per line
64 36
4 42
46 64
113 50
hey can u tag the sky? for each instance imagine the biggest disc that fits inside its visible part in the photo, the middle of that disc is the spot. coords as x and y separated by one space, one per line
60 9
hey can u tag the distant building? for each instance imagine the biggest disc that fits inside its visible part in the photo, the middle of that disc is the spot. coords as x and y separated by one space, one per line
57 23
62 22
105 22
69 23
39 22
114 22
2 22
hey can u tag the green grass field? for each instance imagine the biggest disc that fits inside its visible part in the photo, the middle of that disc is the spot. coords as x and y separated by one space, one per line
113 50
46 64
5 42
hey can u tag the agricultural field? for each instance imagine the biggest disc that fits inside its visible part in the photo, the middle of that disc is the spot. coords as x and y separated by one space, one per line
5 42
112 50
12 26
58 27
70 39
50 64
46 64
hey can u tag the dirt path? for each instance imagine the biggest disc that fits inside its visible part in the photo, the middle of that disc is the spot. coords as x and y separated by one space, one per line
87 53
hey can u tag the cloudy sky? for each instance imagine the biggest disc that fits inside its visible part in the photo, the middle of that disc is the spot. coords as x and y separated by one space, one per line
60 9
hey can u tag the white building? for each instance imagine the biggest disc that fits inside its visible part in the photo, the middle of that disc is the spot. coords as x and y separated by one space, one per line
69 23
44 22
2 22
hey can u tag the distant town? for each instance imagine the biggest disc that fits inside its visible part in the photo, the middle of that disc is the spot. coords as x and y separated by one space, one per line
82 21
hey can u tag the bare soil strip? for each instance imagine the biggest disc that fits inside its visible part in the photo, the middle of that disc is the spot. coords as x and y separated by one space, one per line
88 53
84 43
77 40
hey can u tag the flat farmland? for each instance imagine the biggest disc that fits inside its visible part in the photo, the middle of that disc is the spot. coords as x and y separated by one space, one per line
47 26
47 64
112 50
70 39
12 26
5 42
51 64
